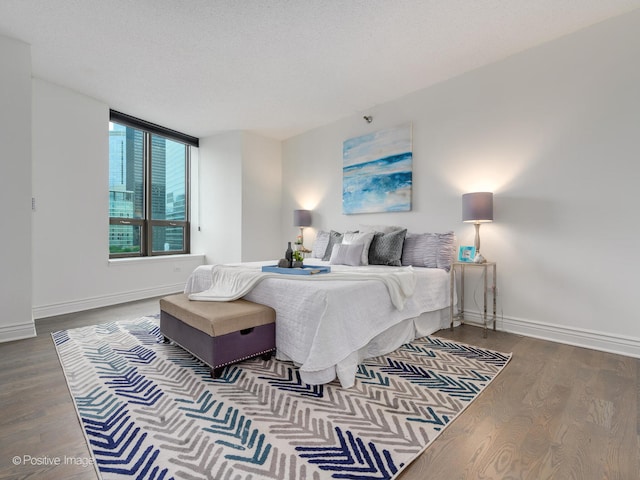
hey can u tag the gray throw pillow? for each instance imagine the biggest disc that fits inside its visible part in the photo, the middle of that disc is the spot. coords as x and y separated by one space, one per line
386 248
421 250
334 238
320 244
347 254
446 250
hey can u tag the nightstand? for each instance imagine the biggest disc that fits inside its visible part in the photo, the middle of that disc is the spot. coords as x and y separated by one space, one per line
461 266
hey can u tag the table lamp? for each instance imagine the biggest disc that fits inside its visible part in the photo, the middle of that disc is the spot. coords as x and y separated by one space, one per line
477 208
301 219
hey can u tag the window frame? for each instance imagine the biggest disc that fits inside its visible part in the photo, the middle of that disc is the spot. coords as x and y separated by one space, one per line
147 224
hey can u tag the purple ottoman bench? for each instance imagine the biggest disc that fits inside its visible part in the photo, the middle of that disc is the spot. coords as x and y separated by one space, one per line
219 333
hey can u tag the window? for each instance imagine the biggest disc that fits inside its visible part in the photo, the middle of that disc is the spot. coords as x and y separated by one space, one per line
148 188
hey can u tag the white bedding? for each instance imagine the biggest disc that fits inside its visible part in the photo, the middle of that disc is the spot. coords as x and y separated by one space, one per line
230 282
327 328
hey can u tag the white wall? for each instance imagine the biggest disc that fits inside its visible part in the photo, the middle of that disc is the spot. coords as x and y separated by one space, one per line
553 131
220 199
71 268
261 198
16 320
240 198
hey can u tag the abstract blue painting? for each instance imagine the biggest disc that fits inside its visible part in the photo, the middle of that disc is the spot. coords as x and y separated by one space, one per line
377 171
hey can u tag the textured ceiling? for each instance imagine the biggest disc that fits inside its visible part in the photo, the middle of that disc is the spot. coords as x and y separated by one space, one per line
276 67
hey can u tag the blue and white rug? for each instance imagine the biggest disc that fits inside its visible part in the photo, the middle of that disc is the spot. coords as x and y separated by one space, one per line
150 410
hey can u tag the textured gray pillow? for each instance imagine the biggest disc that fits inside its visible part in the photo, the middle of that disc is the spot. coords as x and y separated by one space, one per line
386 248
334 238
446 250
431 250
320 244
347 254
421 250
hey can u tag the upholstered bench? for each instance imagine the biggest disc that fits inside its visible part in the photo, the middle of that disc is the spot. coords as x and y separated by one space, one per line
219 333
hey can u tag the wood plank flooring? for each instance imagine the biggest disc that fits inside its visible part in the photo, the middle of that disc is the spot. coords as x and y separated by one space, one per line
555 412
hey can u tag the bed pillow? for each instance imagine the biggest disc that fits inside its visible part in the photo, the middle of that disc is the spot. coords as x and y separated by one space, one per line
421 250
334 239
446 250
386 248
379 228
320 244
431 250
347 254
356 238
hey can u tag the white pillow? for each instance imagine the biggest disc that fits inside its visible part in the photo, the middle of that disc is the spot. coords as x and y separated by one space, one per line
355 238
344 254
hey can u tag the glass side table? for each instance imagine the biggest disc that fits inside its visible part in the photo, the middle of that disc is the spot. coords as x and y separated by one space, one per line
461 266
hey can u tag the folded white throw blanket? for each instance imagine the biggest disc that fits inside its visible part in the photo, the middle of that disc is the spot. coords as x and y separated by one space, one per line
233 282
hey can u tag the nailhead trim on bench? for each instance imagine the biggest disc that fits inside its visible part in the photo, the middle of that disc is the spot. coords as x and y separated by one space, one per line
246 358
225 363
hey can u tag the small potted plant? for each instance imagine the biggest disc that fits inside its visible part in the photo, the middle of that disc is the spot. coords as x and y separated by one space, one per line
297 259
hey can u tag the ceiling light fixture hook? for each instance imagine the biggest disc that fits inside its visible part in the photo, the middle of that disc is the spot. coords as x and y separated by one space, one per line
368 118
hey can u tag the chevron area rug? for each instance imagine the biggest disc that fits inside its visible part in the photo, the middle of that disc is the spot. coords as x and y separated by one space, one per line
150 410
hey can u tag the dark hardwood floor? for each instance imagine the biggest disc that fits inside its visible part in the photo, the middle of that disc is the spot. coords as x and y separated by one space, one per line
555 412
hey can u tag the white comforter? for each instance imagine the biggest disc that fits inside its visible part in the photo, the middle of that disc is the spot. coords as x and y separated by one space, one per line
322 324
230 282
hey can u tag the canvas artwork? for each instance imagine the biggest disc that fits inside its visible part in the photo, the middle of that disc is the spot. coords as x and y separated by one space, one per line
377 172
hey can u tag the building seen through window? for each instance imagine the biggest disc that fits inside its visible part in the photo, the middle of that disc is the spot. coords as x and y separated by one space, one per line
148 192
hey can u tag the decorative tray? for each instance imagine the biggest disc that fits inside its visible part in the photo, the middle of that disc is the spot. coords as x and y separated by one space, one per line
306 270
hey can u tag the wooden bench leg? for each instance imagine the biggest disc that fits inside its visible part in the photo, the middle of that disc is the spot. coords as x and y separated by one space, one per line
266 356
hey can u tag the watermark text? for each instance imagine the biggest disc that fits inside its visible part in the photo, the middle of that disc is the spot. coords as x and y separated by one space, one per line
45 460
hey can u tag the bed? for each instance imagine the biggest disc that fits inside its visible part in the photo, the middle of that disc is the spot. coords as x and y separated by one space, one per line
328 327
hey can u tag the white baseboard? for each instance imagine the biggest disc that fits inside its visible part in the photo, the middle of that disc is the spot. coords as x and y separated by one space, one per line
578 337
9 333
62 308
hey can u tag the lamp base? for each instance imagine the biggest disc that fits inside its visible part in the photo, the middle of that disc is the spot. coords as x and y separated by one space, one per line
477 240
479 258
